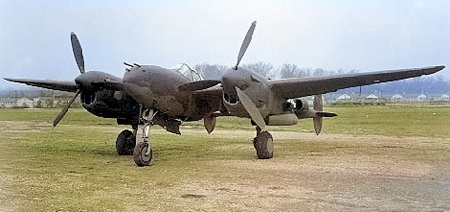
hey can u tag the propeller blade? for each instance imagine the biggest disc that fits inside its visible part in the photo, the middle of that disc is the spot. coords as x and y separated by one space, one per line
318 124
245 44
77 52
251 109
318 103
64 110
318 106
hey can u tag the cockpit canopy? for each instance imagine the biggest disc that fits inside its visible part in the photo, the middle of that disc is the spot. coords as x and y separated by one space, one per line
187 71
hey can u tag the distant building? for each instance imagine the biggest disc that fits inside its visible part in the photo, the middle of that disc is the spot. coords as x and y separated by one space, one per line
397 97
422 97
24 102
344 97
372 96
13 102
444 97
7 102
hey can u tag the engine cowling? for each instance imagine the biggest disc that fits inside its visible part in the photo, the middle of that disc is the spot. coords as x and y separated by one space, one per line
302 109
108 103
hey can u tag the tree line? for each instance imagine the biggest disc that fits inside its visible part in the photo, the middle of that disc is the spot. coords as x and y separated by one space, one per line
215 71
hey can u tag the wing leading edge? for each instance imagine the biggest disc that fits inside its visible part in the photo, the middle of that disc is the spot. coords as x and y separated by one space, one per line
295 88
50 84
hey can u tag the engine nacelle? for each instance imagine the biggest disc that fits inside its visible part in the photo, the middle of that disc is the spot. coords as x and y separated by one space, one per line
302 109
108 103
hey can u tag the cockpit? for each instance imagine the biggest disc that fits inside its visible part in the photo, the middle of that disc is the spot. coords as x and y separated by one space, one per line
187 71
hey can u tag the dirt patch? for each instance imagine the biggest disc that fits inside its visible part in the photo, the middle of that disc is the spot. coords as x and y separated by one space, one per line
319 185
351 182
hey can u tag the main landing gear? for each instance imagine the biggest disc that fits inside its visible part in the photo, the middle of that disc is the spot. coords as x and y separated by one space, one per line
137 142
263 143
126 141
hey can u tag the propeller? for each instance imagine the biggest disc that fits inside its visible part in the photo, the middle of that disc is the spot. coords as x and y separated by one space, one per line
318 106
245 44
245 100
78 53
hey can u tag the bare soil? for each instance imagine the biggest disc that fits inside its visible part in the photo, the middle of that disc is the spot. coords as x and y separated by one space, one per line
318 182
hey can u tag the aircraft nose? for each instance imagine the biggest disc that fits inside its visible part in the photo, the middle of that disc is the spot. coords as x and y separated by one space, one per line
132 74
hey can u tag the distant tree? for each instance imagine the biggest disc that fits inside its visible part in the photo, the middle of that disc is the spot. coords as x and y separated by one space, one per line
318 72
293 71
289 71
265 69
209 71
39 104
50 102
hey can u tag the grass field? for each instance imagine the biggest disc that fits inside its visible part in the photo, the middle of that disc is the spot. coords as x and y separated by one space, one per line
368 158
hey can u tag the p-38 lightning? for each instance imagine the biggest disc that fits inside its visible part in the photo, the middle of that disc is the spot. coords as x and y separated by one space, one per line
150 95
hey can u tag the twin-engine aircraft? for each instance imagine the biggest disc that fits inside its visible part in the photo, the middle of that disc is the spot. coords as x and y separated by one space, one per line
150 95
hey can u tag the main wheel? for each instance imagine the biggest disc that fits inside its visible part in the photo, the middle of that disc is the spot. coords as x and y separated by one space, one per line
263 144
140 156
125 143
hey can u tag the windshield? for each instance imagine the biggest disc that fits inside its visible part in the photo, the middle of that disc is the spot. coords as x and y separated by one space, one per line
188 72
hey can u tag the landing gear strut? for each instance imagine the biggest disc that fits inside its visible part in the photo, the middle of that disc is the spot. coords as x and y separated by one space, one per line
263 143
142 153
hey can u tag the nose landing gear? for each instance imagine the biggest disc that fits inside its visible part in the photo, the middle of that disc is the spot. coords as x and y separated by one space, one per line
142 153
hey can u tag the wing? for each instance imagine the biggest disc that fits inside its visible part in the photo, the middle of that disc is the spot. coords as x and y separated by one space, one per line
207 101
198 85
50 84
295 88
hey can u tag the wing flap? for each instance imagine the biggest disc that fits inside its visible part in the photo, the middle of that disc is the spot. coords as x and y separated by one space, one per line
50 84
295 88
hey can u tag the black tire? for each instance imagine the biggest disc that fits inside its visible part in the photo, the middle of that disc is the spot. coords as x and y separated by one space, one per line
139 154
125 143
263 144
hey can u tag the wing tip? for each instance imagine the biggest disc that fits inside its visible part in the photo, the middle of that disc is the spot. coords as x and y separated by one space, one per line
440 67
11 79
434 69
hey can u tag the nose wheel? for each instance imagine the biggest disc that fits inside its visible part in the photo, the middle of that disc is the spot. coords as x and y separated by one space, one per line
142 153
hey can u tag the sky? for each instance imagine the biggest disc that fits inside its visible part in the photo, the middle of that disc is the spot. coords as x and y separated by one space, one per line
346 34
